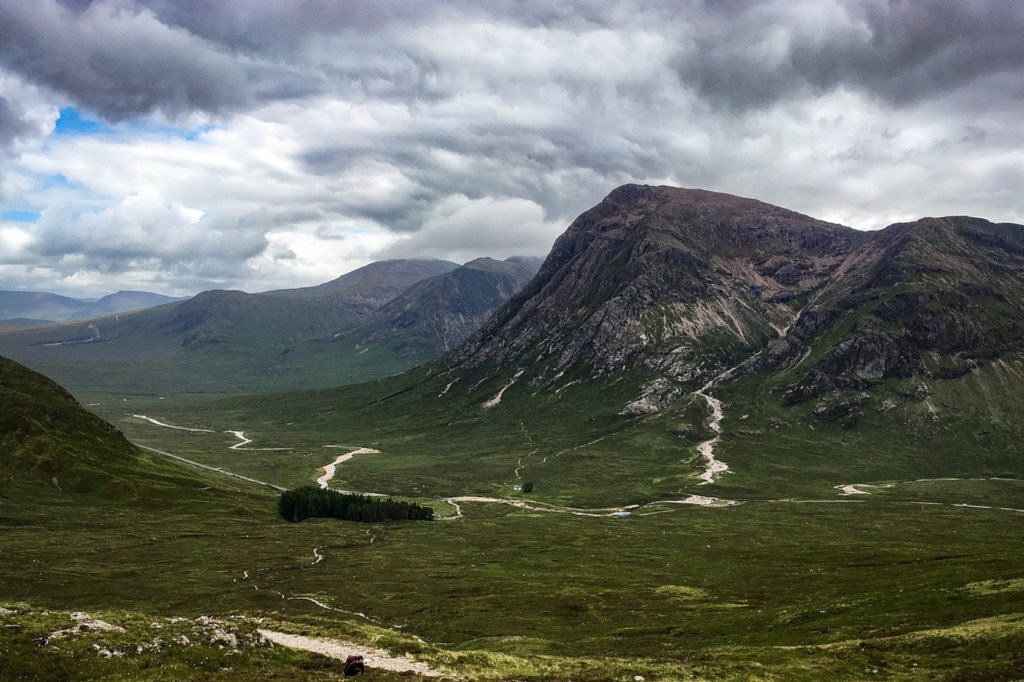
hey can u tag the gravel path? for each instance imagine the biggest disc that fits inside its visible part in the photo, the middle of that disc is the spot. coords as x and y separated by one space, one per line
373 658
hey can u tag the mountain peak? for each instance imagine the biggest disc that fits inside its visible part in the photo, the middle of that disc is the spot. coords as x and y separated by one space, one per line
663 266
672 286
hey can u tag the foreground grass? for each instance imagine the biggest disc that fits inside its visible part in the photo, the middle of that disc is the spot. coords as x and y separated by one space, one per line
767 590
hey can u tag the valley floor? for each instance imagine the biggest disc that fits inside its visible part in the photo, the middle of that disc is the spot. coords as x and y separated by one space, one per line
762 590
917 578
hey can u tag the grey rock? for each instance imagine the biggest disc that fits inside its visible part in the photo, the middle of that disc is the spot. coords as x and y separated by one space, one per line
222 638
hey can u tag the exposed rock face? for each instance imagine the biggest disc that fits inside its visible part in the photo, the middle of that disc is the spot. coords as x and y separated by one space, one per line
669 278
654 397
436 314
674 285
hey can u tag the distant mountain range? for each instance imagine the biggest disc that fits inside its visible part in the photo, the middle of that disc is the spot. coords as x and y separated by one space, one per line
436 314
377 320
26 308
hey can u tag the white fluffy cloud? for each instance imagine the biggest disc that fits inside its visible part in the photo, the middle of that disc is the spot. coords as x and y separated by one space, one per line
272 143
459 228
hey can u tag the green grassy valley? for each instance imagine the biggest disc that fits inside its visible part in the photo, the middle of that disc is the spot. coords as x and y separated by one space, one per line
919 579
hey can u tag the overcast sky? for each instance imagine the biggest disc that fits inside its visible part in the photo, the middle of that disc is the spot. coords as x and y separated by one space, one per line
181 145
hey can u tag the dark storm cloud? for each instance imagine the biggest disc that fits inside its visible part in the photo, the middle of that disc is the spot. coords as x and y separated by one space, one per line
438 124
11 123
128 58
751 55
118 62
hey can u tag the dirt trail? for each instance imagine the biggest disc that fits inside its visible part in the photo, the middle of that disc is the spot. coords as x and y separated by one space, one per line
210 468
170 426
851 489
855 489
329 469
240 435
697 500
242 440
333 648
707 448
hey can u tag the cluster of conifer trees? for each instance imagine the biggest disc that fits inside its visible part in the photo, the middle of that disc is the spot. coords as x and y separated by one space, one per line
312 501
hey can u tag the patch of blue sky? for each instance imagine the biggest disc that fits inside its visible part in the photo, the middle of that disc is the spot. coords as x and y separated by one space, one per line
20 216
74 122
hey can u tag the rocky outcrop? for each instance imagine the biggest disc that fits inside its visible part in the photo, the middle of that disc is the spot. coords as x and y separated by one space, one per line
654 397
83 623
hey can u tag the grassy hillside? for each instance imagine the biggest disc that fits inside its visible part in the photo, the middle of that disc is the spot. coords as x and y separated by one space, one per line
341 332
577 448
48 440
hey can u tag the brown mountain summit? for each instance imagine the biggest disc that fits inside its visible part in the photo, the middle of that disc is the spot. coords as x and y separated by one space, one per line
676 285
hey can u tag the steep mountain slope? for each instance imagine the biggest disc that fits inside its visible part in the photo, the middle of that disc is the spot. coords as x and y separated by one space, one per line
669 284
48 440
42 307
436 314
934 299
673 286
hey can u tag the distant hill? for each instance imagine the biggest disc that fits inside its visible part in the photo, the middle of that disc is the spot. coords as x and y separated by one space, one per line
36 305
435 314
371 286
123 301
344 331
25 307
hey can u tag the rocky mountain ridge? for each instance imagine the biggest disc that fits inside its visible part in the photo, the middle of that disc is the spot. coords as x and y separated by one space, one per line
439 312
673 286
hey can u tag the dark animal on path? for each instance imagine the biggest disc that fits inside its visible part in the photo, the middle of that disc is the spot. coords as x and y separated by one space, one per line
353 665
